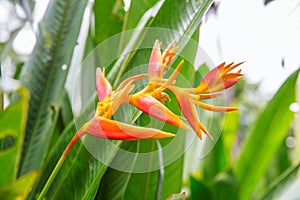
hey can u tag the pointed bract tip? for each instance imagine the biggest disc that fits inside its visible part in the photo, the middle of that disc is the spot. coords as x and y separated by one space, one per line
103 87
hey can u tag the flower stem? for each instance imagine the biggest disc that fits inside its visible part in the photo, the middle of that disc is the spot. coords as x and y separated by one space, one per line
59 164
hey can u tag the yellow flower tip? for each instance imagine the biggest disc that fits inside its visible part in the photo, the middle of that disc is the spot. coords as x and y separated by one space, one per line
232 109
163 134
200 128
215 108
174 75
168 55
121 96
161 96
184 126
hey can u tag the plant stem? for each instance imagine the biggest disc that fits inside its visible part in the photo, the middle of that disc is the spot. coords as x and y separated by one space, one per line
161 174
59 164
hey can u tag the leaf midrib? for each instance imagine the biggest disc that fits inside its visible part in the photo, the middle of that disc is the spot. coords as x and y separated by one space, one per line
55 53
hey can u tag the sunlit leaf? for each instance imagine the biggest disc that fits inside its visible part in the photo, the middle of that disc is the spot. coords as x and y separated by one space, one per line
20 188
12 124
278 185
267 134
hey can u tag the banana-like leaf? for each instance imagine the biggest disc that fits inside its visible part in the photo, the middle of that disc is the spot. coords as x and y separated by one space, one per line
45 74
109 17
267 135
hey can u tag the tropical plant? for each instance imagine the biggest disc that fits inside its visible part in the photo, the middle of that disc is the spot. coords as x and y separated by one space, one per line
43 115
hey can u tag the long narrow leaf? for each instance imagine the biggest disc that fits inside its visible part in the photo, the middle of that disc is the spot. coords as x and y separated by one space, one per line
45 73
268 133
279 184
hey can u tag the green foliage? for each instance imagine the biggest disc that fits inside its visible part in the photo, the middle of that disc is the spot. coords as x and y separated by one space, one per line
267 135
44 77
20 188
12 125
247 161
260 169
12 128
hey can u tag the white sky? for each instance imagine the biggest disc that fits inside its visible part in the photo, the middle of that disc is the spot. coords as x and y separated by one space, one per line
260 35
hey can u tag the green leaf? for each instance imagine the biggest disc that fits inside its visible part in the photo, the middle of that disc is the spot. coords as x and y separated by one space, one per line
12 124
65 116
225 185
136 11
45 76
66 109
79 163
230 130
216 161
108 21
200 190
280 182
186 17
109 16
20 188
264 140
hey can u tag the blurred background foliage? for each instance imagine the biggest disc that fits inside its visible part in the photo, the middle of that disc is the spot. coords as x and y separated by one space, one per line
255 157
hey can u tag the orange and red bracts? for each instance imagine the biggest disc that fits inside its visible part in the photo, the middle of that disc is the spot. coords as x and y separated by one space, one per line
109 101
151 99
218 79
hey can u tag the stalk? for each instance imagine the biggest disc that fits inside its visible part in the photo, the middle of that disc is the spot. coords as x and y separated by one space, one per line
59 164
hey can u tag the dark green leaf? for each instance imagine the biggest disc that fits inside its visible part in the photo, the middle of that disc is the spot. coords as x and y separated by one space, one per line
45 76
225 185
199 190
80 167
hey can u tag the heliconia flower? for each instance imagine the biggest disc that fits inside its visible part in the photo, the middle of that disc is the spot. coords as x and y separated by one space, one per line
220 78
110 129
189 98
103 87
151 99
109 101
156 109
159 62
